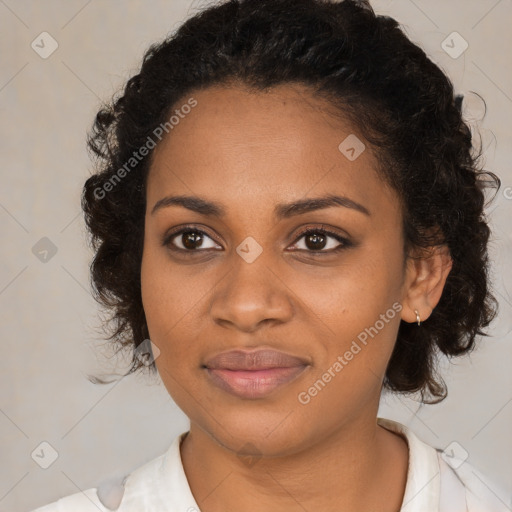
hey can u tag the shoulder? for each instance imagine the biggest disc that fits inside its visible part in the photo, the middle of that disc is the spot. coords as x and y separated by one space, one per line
460 478
105 498
120 495
142 489
86 501
443 481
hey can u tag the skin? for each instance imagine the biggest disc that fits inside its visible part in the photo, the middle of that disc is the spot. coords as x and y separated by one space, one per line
249 151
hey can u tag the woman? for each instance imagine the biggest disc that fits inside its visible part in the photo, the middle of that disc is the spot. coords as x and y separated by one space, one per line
288 219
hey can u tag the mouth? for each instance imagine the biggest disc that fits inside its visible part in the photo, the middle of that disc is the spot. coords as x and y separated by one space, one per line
253 374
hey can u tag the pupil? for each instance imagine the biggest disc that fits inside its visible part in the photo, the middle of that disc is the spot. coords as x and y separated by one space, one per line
318 241
192 239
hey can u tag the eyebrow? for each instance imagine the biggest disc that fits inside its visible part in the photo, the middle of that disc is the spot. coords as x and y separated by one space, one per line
281 210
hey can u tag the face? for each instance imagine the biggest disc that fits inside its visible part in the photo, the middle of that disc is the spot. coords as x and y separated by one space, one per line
244 275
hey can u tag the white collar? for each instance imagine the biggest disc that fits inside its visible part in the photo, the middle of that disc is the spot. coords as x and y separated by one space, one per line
159 485
422 490
436 482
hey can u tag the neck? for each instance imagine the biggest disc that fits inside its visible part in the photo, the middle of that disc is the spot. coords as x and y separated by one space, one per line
360 466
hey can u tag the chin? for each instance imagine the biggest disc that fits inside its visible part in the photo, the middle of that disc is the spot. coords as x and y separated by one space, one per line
271 435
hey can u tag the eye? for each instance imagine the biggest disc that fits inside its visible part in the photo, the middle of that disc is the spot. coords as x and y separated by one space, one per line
188 239
317 239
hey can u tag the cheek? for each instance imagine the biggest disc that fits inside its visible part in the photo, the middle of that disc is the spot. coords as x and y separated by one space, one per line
172 301
169 314
362 331
168 294
349 297
357 311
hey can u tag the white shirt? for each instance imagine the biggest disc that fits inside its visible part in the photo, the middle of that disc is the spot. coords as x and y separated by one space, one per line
436 482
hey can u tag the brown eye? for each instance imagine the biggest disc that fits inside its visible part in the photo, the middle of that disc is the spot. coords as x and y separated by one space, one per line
321 241
315 241
189 239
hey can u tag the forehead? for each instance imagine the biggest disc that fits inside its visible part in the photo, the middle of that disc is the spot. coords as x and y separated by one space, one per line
284 143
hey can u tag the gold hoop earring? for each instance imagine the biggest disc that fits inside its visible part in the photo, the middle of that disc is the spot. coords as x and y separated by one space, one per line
418 319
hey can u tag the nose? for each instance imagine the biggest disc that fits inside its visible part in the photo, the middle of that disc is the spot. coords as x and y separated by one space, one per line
251 295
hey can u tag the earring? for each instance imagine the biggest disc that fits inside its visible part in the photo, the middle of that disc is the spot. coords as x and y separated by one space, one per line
418 319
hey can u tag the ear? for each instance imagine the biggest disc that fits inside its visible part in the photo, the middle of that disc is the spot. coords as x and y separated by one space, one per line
426 274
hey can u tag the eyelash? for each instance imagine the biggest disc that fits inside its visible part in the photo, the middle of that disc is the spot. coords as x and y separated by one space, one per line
345 243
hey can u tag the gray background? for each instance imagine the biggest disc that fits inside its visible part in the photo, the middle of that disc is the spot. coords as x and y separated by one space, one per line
49 322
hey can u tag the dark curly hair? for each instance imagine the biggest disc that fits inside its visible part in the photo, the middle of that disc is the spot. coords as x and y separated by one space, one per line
370 73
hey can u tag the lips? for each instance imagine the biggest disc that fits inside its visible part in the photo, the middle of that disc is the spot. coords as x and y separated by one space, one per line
253 374
262 359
